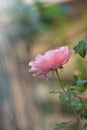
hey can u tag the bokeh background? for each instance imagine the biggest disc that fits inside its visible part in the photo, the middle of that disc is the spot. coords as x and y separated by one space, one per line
27 28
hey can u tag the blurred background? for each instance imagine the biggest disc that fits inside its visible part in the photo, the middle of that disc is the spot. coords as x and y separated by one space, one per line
27 28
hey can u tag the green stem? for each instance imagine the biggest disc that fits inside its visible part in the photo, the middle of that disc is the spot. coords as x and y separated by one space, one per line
75 113
61 83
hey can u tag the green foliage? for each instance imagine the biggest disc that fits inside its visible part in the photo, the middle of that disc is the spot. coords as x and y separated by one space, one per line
64 97
72 127
79 86
82 82
60 126
81 48
52 14
79 104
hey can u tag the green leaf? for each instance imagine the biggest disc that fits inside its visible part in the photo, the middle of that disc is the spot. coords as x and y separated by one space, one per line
76 105
60 126
72 127
81 48
82 82
63 97
79 86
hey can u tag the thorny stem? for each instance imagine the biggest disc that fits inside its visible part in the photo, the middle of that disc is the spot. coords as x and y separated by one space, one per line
75 113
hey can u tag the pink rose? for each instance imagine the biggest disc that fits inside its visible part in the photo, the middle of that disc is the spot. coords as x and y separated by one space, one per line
51 60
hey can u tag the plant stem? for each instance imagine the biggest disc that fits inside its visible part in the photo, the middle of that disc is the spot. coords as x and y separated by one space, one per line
61 83
69 101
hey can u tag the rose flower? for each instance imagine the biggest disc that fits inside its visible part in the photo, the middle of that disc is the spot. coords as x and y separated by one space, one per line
51 60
